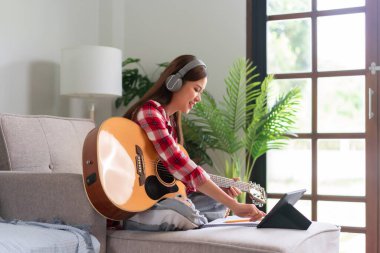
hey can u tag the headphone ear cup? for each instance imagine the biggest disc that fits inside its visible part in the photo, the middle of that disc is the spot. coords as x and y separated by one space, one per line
177 85
173 83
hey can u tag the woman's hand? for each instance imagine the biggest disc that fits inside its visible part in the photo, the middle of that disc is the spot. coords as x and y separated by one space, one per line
232 191
248 210
244 210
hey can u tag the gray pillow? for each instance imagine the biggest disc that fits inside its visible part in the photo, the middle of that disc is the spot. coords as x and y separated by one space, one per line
167 215
207 206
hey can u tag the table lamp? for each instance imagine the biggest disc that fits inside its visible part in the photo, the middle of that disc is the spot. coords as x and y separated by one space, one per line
91 72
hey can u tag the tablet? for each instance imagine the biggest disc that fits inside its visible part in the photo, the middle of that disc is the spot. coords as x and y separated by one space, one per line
289 198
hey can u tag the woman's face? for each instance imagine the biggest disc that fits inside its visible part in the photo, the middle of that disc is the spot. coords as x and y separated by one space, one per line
189 94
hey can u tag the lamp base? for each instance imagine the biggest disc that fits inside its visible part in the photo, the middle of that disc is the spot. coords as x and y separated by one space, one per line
92 112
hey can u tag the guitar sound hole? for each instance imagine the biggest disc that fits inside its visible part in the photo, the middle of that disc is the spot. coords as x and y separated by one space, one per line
155 190
164 174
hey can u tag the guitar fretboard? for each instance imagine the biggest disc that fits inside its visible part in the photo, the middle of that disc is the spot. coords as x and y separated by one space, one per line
227 182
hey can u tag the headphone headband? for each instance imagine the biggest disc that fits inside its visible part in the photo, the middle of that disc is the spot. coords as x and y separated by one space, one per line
194 63
174 82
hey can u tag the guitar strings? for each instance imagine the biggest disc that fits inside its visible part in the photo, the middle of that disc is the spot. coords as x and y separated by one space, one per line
161 168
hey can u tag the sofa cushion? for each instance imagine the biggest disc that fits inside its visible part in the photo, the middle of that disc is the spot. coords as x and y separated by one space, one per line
320 237
42 143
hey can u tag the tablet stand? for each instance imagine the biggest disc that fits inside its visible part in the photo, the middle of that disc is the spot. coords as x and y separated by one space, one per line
286 217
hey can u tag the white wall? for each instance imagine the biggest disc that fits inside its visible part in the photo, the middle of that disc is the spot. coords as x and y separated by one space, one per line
34 32
32 35
213 30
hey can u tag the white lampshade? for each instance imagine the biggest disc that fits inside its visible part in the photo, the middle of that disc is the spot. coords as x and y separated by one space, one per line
91 71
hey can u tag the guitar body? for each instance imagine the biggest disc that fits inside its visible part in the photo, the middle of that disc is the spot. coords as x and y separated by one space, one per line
122 172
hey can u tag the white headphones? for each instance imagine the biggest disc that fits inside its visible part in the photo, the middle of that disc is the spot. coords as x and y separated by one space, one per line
174 82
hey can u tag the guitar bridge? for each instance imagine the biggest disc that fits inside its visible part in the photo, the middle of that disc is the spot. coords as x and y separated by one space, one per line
140 165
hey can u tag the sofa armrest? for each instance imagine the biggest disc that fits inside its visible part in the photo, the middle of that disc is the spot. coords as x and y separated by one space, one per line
31 196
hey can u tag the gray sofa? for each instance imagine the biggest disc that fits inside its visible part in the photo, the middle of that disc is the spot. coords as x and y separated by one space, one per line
40 177
40 171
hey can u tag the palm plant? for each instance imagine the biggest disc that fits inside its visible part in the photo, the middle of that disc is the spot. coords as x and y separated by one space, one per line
243 125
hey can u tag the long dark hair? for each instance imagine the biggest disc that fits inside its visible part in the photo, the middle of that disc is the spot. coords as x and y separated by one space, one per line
161 94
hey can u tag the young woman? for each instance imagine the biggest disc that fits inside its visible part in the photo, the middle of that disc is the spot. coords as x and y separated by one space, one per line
158 112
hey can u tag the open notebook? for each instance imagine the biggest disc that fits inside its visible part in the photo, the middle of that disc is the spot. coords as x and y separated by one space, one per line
282 215
231 221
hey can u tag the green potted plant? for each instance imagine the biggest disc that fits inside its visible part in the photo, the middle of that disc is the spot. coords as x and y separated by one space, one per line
243 125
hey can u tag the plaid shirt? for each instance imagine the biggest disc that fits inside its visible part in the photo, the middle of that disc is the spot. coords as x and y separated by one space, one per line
153 119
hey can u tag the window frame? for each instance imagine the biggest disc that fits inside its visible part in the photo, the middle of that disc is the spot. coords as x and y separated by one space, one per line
256 51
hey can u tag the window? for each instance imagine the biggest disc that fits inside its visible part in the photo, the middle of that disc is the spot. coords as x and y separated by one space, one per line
325 48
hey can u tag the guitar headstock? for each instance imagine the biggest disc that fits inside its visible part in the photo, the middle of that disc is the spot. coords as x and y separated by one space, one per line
257 194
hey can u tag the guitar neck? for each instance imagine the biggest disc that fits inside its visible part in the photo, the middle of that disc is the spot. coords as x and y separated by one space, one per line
227 182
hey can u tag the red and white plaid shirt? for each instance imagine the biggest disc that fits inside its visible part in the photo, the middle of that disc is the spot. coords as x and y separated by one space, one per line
152 117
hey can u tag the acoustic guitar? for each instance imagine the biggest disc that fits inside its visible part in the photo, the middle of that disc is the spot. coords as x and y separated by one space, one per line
123 174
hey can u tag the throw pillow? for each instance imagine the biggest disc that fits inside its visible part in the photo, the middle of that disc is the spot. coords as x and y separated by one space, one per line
167 215
207 206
